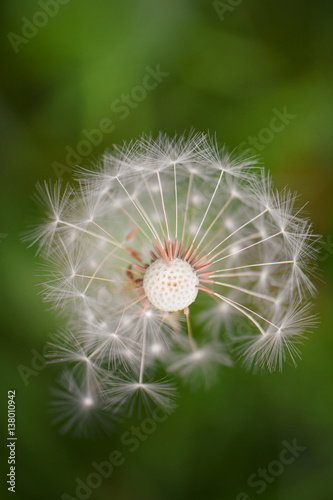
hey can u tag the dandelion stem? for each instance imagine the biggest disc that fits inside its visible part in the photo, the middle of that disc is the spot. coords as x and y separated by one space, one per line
189 329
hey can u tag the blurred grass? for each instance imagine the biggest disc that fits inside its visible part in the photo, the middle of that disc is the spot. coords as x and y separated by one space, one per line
226 77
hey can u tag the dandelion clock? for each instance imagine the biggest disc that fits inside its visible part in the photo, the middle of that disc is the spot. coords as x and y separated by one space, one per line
155 257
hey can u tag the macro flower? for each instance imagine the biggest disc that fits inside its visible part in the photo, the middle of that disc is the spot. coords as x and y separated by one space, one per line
156 257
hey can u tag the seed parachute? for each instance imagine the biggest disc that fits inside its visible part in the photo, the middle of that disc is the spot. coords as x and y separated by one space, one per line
169 259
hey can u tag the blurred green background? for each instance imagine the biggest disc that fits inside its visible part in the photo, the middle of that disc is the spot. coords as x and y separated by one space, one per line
228 67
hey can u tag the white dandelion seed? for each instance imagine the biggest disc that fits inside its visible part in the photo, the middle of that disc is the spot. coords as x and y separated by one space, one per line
160 225
78 407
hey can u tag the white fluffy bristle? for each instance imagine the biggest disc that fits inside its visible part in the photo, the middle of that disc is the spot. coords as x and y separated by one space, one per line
171 287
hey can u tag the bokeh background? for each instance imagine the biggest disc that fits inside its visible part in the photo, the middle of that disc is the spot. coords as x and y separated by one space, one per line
226 67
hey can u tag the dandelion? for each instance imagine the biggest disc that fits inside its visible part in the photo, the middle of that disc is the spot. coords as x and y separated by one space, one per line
156 255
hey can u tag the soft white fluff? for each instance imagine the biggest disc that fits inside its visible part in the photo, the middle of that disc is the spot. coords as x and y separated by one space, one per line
172 198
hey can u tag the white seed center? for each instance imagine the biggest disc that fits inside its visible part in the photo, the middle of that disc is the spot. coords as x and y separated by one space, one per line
173 287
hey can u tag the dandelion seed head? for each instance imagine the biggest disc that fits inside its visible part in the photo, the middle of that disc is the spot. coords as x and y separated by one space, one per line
155 258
